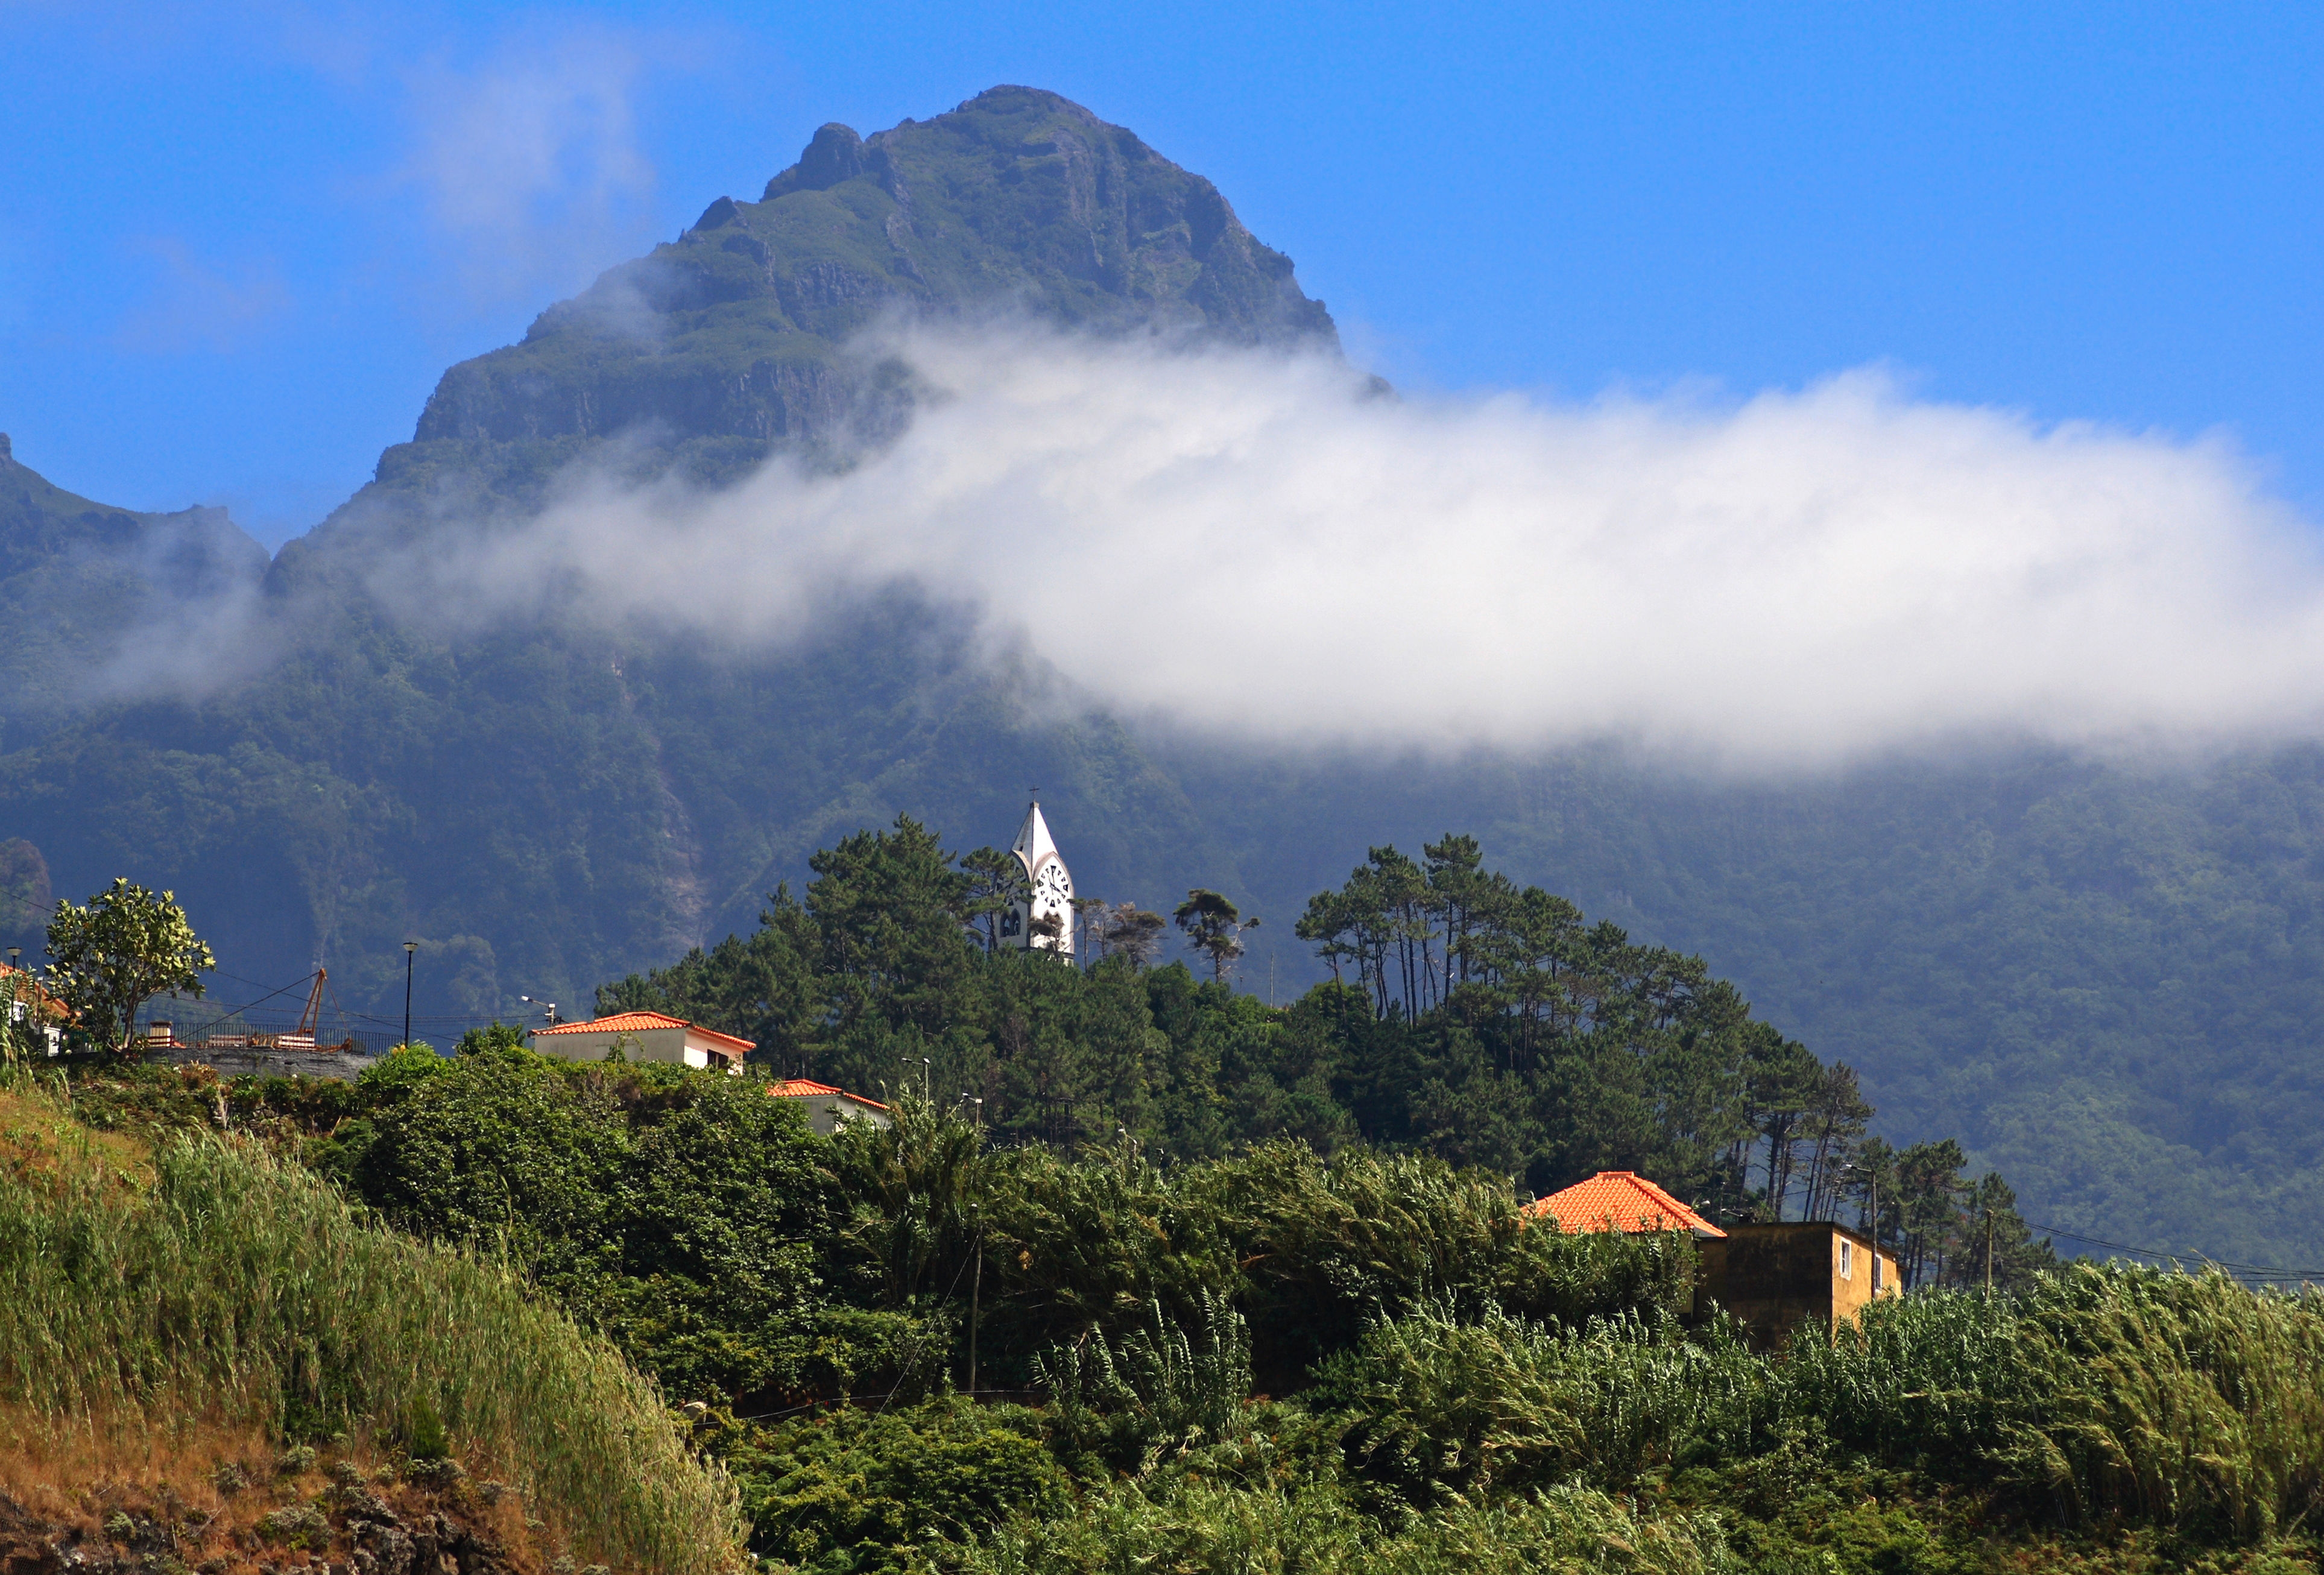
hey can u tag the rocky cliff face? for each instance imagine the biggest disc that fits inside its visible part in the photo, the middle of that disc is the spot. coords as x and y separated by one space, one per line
723 346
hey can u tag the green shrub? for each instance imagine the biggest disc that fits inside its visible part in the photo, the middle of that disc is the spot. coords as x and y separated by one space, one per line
2183 1399
1438 1406
1151 1388
852 1490
1941 1378
2116 1392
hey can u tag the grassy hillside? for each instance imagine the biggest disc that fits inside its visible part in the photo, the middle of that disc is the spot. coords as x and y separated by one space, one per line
197 1294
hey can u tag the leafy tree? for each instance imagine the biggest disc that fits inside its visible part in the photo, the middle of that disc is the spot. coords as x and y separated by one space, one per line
890 914
1123 929
110 957
1214 927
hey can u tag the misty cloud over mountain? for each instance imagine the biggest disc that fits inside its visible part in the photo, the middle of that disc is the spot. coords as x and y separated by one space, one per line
1256 543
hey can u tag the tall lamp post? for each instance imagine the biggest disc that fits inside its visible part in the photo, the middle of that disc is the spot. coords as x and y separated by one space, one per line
409 948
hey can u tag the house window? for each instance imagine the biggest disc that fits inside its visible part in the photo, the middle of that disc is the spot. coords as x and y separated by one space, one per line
1846 1259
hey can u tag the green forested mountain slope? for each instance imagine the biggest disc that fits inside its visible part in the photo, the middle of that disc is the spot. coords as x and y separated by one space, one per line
78 577
2102 978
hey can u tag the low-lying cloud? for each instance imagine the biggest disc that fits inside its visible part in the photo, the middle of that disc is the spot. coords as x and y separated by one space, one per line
1248 543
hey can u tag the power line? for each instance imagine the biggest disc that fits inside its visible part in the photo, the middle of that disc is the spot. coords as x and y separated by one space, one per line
2248 1270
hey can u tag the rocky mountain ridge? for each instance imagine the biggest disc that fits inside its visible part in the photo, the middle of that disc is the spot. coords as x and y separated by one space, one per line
727 345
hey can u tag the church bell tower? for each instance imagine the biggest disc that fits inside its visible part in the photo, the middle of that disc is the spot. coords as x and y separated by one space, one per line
1045 921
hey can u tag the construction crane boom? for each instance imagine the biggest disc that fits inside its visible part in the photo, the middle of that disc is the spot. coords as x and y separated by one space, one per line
313 1015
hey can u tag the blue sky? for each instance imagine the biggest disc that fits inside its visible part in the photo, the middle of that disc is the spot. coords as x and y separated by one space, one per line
239 244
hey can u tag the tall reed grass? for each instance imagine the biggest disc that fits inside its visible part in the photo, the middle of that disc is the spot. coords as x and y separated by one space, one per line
1444 1407
2184 1399
229 1287
2111 1392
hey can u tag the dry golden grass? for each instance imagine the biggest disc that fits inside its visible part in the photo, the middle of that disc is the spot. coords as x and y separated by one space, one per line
178 1486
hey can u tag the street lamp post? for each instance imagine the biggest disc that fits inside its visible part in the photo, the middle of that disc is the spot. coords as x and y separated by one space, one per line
410 947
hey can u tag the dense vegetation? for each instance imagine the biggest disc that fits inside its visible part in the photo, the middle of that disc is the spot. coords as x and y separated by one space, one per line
917 1350
1189 1288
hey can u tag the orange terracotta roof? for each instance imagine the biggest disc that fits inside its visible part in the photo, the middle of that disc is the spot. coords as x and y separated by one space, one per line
39 994
1622 1200
642 1022
801 1088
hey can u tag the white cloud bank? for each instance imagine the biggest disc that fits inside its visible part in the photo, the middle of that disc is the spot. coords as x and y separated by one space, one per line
1245 543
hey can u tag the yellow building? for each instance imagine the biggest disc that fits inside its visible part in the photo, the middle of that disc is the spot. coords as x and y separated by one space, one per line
1776 1278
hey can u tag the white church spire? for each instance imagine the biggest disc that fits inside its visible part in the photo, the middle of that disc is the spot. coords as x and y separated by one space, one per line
1046 922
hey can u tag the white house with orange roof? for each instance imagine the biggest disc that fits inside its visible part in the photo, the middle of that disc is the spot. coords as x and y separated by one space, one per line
645 1037
30 1005
828 1108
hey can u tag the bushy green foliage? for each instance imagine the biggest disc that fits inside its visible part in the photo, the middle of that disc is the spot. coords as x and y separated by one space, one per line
1436 1374
1442 1406
692 1218
1484 1025
2182 1399
111 954
865 1490
1155 1386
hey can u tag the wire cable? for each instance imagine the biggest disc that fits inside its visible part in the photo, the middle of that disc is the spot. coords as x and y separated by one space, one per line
2249 1270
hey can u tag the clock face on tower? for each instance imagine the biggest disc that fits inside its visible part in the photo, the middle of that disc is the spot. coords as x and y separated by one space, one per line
1045 920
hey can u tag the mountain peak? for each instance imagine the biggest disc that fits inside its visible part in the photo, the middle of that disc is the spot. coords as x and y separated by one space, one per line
836 154
722 343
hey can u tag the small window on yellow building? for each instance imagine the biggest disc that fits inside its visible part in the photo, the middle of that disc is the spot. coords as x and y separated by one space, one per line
1846 1259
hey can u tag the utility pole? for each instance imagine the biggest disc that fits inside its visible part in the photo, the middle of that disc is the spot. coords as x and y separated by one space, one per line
975 1293
1874 1176
1988 1252
1872 1186
409 948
